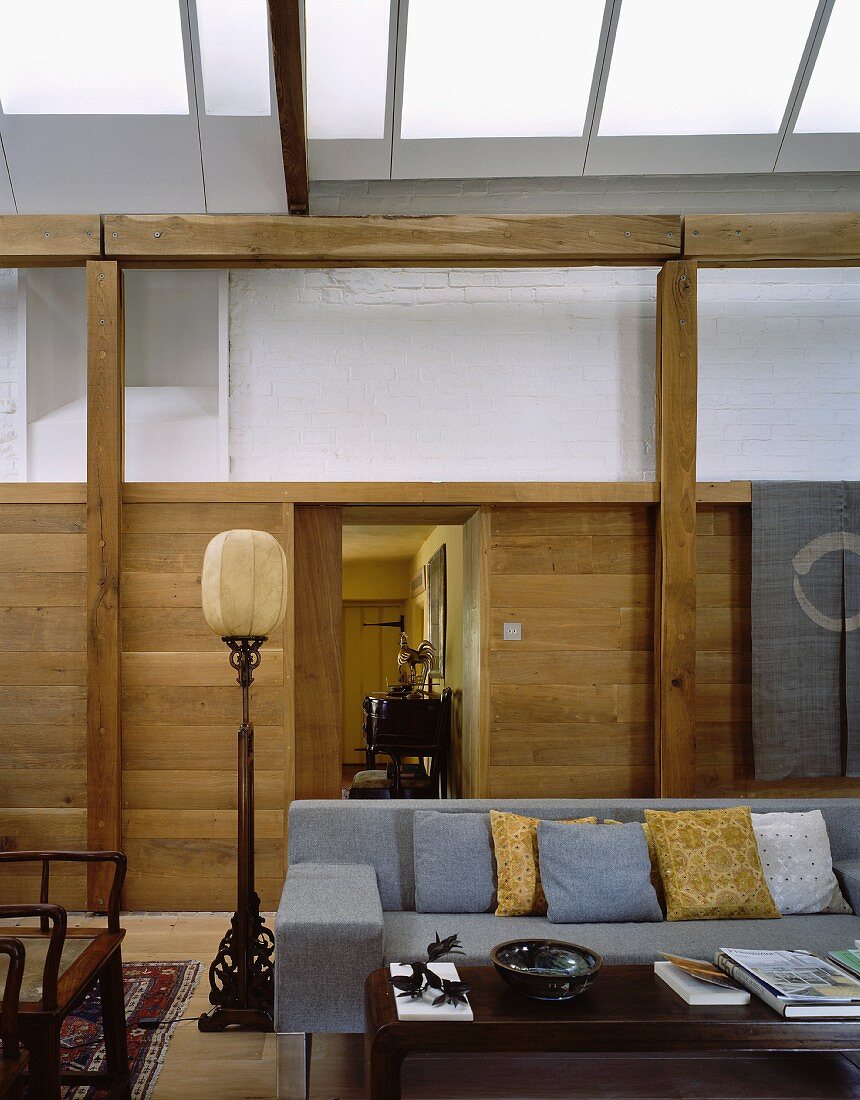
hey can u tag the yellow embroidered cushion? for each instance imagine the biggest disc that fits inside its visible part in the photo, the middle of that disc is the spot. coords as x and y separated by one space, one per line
709 864
520 893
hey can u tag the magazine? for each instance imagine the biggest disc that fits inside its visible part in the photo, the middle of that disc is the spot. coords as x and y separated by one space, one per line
849 960
703 971
796 976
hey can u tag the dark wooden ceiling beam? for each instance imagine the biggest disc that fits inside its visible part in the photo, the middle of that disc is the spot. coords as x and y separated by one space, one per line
285 24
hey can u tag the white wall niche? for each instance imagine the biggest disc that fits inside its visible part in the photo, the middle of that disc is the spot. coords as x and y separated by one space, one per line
176 375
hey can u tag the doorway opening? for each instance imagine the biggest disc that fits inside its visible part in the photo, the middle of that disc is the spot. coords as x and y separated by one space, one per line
402 574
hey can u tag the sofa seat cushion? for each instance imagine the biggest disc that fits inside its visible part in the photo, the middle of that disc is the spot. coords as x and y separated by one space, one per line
408 934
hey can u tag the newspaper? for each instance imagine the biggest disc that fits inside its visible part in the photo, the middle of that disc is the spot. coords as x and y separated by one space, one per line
797 975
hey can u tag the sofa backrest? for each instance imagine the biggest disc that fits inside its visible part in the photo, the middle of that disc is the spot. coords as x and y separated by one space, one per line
380 833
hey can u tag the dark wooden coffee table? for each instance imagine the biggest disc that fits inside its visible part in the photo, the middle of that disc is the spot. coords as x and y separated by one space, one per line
628 1010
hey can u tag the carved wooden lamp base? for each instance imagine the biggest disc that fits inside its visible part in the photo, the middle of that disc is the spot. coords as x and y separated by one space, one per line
255 1010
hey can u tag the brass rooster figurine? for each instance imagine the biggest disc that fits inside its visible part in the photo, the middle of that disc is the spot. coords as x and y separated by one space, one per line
409 659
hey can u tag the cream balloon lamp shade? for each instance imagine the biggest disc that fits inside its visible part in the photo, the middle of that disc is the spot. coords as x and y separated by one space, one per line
244 592
244 584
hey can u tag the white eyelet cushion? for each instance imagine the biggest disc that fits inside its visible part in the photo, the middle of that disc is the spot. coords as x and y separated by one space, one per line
798 866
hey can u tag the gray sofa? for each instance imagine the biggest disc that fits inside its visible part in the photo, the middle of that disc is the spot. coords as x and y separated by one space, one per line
348 904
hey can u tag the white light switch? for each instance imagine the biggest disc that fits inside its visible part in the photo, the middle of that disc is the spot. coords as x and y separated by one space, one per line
513 632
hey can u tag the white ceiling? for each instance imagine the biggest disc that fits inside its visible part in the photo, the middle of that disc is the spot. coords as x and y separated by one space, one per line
600 87
177 112
189 161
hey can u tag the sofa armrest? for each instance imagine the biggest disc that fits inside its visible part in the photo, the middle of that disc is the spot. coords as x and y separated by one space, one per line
847 873
329 937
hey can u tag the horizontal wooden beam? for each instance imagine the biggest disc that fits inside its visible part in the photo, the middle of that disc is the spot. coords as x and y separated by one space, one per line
723 492
276 240
395 492
372 241
371 515
366 497
38 239
43 492
758 238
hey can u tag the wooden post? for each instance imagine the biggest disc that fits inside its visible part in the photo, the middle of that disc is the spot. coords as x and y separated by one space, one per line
289 666
318 628
105 393
675 594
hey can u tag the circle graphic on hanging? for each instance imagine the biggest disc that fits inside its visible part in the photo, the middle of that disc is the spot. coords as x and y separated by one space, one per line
803 561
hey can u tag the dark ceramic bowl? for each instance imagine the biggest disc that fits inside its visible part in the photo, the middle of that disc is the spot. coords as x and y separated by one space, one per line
546 970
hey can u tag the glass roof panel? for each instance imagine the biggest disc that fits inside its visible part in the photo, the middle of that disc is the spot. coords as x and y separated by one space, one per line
234 53
102 57
832 101
498 68
346 46
684 67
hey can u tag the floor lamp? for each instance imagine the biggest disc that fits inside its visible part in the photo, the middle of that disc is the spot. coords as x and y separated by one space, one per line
244 590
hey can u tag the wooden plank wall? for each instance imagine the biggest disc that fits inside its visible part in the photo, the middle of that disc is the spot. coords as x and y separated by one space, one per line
43 676
572 703
724 753
181 709
318 625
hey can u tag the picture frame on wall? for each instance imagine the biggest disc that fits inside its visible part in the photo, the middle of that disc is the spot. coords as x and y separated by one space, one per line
418 584
437 595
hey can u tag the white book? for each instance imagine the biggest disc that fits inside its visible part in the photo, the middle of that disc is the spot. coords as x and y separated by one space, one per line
696 992
421 1008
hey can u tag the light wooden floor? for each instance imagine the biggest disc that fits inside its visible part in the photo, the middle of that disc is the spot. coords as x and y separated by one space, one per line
241 1066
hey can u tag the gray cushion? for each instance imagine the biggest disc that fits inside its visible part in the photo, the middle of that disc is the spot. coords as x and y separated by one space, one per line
380 832
407 935
453 863
848 876
596 873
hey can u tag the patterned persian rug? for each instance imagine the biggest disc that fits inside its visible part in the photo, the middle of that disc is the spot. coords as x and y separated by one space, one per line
159 990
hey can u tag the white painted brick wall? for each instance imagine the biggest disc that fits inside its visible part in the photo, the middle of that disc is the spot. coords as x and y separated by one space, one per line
490 375
544 375
442 375
8 375
779 374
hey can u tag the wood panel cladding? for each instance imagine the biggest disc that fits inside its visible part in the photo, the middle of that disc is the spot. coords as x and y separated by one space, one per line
571 704
181 708
318 626
43 695
724 752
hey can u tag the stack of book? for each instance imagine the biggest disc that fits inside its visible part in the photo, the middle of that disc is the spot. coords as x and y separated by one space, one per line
795 984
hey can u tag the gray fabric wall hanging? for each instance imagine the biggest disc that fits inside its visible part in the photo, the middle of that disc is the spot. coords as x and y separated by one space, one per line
800 532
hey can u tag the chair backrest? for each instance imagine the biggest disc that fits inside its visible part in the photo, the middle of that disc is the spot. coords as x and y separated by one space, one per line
442 744
9 1043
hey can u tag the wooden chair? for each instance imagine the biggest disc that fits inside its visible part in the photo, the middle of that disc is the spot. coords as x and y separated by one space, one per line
401 780
13 1060
61 966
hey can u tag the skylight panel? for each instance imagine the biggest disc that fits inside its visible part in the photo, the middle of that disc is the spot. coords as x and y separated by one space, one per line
346 47
234 52
832 101
498 68
741 60
104 57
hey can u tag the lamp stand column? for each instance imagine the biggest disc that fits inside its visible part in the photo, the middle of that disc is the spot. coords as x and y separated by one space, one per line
241 977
